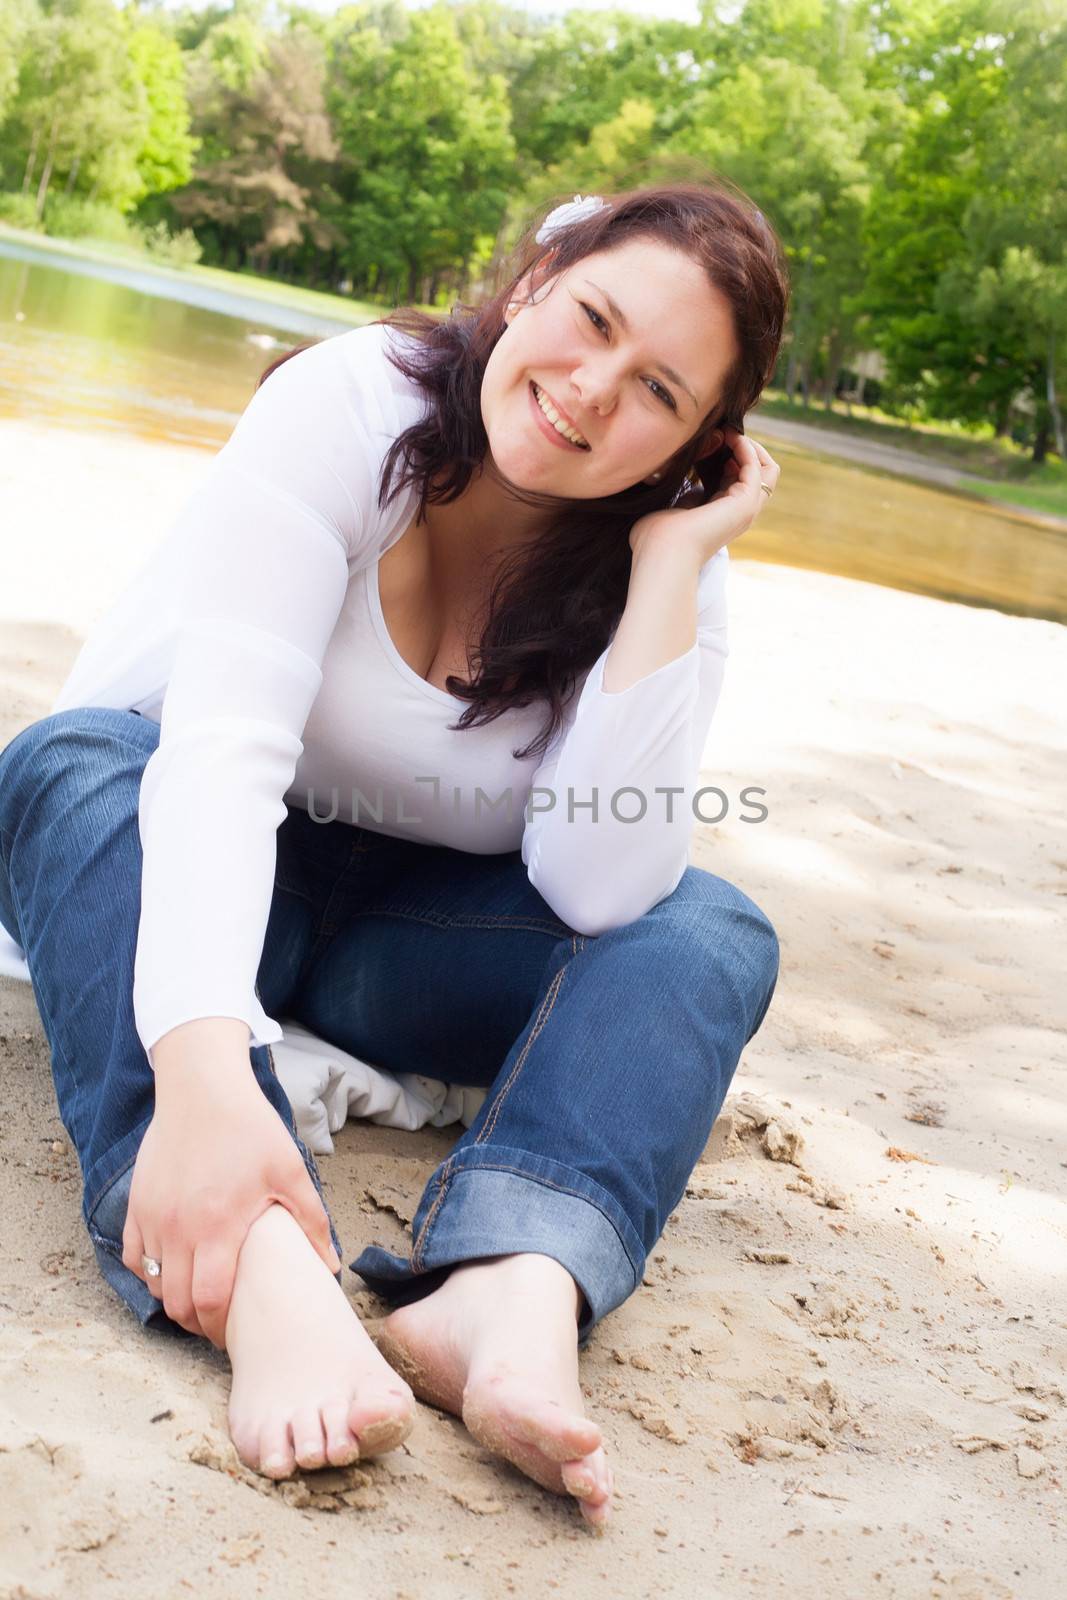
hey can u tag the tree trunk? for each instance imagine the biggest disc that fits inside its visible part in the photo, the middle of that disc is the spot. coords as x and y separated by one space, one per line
46 174
799 327
833 369
72 175
1052 398
1042 439
862 390
791 375
31 160
830 392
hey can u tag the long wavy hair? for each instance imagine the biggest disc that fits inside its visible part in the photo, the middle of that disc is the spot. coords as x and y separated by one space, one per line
555 602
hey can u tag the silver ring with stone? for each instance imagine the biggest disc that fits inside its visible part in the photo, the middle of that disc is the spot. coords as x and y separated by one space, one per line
152 1268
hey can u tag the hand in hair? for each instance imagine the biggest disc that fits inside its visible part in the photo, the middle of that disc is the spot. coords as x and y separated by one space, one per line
706 528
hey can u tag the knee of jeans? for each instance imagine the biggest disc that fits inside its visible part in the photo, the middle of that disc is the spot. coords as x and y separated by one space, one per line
75 742
770 945
727 926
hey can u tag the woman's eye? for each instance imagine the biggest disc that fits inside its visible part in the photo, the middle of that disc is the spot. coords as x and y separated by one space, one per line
598 322
667 397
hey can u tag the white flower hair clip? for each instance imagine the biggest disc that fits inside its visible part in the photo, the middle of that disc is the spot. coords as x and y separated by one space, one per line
570 211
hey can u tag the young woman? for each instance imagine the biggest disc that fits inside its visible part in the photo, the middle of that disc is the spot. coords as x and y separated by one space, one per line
398 734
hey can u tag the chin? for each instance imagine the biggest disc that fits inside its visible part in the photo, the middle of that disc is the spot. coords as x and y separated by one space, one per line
525 470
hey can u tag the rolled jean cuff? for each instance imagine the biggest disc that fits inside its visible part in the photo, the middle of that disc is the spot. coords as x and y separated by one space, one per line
496 1202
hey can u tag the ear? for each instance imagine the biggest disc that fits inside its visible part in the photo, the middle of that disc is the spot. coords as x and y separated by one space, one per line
528 285
710 440
707 442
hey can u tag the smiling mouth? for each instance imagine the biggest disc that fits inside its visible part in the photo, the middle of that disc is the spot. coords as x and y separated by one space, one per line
552 416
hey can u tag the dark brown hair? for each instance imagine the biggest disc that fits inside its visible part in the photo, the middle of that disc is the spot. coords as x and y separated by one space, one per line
555 602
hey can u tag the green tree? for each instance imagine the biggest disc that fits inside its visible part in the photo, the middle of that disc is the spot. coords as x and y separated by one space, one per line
260 113
99 108
584 70
968 225
165 158
797 148
19 20
427 157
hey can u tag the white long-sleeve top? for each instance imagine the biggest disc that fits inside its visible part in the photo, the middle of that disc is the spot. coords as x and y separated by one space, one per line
254 636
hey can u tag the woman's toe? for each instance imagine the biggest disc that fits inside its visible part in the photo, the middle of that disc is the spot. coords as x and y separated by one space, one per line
275 1450
384 1430
590 1479
578 1479
341 1448
309 1446
245 1441
560 1435
379 1417
597 1515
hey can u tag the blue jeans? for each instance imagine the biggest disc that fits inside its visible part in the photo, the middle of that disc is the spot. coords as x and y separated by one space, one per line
607 1059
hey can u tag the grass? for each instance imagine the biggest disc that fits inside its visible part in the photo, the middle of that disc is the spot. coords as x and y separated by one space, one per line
999 469
1049 497
270 290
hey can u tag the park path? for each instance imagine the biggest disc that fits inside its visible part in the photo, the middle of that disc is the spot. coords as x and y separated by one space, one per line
886 458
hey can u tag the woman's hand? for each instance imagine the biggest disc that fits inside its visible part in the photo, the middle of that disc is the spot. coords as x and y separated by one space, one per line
707 528
214 1157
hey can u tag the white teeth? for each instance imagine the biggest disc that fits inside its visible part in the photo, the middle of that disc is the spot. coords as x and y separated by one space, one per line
553 416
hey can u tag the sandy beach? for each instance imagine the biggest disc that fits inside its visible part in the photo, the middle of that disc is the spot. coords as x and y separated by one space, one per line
846 1375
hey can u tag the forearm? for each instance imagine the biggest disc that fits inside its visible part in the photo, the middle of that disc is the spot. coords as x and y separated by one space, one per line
659 621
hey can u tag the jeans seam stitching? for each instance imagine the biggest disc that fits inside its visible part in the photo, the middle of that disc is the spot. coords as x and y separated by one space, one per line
298 894
327 928
417 1248
548 1002
464 919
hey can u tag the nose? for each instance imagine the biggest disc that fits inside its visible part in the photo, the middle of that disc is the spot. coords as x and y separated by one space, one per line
596 387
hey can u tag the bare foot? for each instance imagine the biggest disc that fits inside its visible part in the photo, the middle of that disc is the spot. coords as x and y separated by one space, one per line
309 1388
497 1345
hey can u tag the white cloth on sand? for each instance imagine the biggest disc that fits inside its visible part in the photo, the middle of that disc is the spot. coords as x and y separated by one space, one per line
327 1085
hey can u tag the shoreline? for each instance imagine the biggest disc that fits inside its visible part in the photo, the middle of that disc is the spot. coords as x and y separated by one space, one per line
312 312
256 299
896 462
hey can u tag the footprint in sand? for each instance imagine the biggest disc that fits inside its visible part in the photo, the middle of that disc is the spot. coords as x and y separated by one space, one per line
38 1476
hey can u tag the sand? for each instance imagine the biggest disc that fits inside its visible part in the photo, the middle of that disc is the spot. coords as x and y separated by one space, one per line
846 1374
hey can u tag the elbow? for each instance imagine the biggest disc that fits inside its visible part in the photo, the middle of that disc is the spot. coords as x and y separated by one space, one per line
613 899
585 910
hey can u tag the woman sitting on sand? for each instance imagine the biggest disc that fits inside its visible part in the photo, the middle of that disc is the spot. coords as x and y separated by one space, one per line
254 798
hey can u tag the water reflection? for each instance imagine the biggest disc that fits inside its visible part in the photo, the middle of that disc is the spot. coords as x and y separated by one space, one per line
79 351
832 516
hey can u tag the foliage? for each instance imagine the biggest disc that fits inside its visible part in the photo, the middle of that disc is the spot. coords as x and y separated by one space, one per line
266 145
426 153
911 153
18 210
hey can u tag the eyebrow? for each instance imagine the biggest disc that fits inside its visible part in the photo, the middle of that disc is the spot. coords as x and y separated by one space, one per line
668 372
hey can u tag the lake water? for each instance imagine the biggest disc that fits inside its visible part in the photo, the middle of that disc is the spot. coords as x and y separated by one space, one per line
101 352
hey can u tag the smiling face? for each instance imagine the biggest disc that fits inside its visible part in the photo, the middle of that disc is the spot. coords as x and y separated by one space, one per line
629 349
